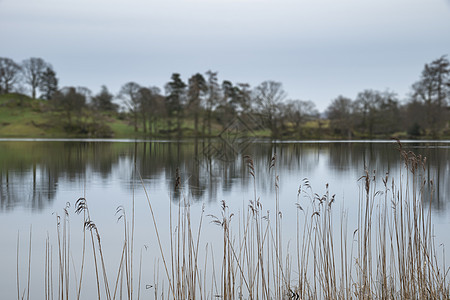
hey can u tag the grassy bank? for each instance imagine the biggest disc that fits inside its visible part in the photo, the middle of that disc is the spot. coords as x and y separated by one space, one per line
391 254
21 116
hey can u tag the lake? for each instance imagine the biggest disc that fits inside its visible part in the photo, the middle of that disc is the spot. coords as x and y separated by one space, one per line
39 179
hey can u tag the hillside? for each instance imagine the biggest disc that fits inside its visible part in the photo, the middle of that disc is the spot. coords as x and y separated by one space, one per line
20 116
23 117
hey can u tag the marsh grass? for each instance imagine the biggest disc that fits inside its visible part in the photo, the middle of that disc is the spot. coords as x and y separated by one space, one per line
391 254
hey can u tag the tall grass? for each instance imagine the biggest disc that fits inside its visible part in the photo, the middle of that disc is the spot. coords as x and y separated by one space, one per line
391 254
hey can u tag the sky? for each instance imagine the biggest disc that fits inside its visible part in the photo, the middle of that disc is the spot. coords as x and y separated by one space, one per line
318 49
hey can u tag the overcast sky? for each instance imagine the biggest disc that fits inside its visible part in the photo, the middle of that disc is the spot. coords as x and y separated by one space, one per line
318 49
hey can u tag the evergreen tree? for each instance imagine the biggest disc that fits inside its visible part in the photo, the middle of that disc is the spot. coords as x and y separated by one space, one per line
103 100
212 99
175 99
197 88
433 89
48 83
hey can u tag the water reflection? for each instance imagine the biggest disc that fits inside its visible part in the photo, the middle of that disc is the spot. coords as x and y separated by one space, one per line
30 171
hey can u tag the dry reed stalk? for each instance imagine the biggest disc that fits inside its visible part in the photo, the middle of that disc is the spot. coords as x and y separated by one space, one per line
60 256
83 249
66 249
157 236
48 288
126 253
29 266
17 266
120 270
140 275
105 278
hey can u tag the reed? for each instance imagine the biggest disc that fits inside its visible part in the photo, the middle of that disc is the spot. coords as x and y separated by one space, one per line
29 266
391 254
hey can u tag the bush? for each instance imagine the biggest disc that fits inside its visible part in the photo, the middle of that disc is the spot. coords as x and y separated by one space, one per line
415 130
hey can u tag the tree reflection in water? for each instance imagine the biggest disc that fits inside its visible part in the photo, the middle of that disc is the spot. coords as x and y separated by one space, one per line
30 171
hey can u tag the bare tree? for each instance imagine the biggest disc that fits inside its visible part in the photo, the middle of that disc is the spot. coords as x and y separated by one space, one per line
340 114
376 112
389 119
367 107
299 111
154 107
71 101
129 93
269 95
149 105
32 69
9 74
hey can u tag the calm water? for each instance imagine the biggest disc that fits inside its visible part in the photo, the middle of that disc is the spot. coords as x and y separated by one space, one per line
39 178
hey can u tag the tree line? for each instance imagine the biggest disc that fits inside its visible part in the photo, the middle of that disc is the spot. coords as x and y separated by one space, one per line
209 105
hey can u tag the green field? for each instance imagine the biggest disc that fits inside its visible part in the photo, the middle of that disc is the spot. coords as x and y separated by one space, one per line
23 117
